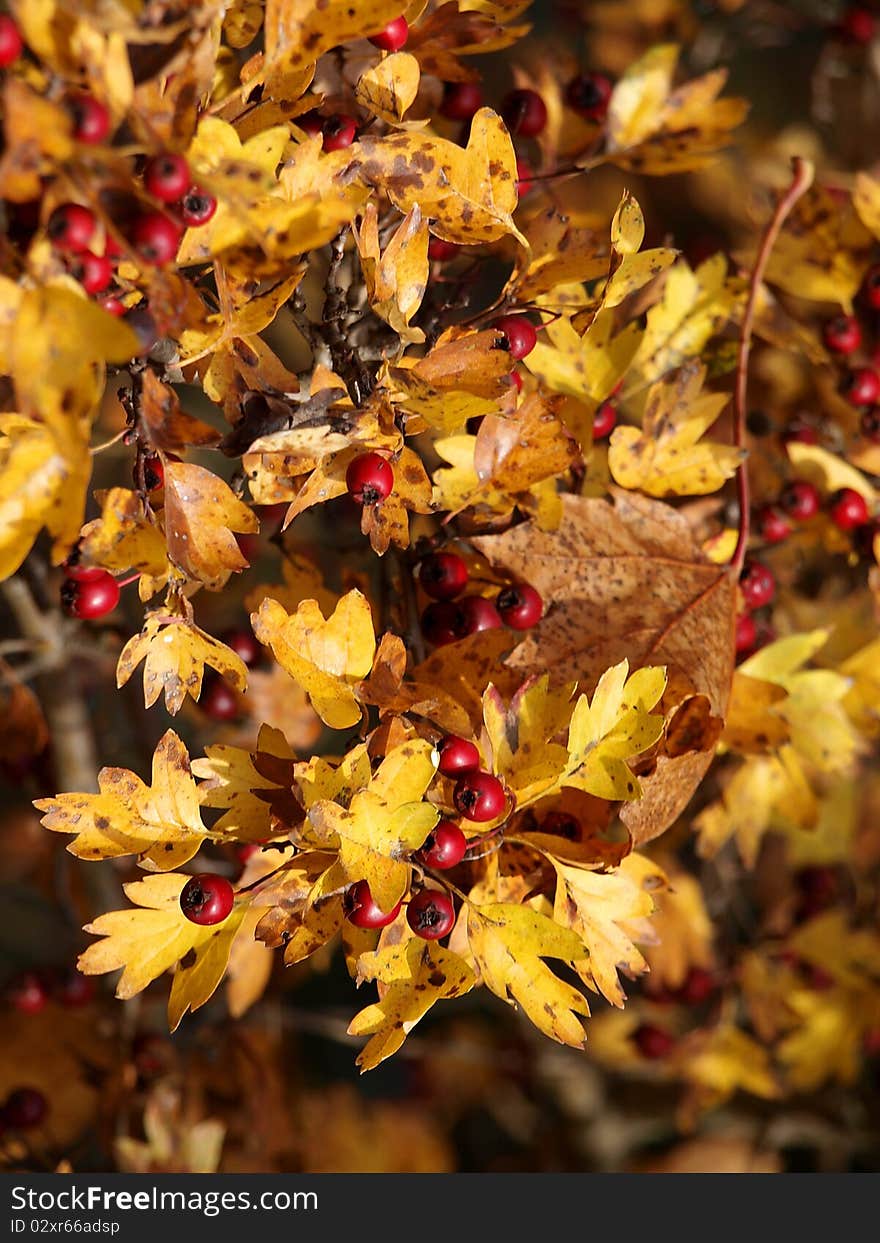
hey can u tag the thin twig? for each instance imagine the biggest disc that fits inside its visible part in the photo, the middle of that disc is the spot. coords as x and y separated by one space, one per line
802 179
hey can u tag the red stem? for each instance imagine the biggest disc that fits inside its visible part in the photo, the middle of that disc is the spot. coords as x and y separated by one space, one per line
802 179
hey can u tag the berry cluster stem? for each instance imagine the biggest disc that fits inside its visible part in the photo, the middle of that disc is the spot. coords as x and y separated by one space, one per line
802 179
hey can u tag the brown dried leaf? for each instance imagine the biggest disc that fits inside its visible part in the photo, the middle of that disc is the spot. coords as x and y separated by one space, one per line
628 580
201 512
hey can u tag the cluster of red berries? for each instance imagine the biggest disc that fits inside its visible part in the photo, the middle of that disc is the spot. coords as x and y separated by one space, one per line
844 335
30 992
801 500
155 235
443 576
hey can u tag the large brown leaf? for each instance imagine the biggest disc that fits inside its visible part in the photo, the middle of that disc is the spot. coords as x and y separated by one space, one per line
627 579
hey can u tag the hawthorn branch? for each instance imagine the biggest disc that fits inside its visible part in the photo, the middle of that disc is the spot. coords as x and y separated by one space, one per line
802 179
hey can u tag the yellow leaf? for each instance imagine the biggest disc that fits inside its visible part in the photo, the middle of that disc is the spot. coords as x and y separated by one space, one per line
246 784
519 734
608 910
201 513
828 471
397 279
726 1060
668 457
327 657
468 193
382 823
298 32
161 824
176 653
695 306
628 226
508 943
389 88
588 367
615 727
32 474
124 539
154 937
682 930
415 975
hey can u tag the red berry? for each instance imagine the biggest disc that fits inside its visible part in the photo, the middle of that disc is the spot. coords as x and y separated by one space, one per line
698 987
515 380
525 175
476 613
167 177
112 305
91 598
311 123
457 756
857 25
800 500
71 227
94 272
479 796
156 238
393 37
149 1053
245 645
27 993
842 334
339 132
439 250
11 44
589 94
604 420
520 606
861 387
154 472
197 207
443 575
757 584
773 525
869 425
91 120
746 634
207 899
362 910
74 989
524 113
440 623
445 848
871 287
369 478
431 914
520 334
848 509
562 824
461 100
653 1042
218 700
25 1108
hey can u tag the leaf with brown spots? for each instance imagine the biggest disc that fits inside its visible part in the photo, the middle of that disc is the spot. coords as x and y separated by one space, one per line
469 193
176 652
389 88
416 974
668 457
201 513
154 937
124 539
161 823
627 580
